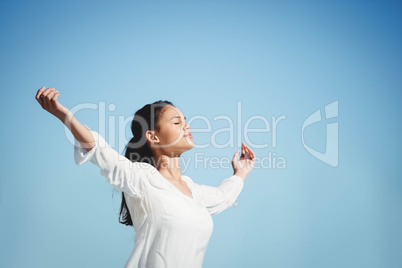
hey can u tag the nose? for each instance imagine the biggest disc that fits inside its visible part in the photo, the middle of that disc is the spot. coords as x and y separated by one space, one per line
187 126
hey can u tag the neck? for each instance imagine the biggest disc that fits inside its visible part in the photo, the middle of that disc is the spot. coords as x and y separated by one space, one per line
168 166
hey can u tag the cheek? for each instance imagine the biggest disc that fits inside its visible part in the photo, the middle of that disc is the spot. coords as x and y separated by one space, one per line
171 135
175 134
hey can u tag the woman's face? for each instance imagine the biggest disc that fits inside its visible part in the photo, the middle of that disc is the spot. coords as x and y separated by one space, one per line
174 133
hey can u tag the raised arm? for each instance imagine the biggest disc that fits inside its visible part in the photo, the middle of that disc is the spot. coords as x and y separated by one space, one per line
47 98
120 172
123 174
217 199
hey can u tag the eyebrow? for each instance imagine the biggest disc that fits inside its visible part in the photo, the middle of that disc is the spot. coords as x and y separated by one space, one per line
178 117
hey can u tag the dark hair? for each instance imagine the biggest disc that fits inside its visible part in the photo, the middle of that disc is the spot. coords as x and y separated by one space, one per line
145 119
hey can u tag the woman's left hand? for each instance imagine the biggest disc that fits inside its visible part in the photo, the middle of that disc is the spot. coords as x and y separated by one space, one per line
245 164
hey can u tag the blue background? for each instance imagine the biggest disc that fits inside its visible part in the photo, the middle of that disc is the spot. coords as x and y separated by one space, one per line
275 57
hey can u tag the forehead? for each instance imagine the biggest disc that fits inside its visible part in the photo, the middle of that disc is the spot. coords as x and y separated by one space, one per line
170 112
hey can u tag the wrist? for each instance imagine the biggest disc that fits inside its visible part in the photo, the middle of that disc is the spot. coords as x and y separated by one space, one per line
64 116
243 175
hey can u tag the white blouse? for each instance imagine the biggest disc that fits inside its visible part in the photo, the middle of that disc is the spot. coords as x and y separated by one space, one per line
172 229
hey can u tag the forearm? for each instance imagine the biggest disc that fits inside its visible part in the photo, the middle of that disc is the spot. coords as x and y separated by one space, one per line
80 132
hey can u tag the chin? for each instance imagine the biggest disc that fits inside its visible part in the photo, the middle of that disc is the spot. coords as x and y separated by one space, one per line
184 145
189 143
188 147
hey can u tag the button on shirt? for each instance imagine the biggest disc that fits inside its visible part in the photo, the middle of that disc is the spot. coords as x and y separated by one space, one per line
172 229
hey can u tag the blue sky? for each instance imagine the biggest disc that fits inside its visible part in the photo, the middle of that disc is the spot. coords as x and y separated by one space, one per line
275 58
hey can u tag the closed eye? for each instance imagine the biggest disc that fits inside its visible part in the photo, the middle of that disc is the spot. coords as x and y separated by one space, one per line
178 117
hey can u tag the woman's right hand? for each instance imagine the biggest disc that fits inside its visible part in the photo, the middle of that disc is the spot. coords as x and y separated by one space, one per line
47 98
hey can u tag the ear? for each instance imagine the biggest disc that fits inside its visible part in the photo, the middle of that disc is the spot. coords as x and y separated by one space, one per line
151 137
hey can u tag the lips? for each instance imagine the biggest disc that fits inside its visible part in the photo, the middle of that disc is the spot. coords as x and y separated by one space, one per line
188 135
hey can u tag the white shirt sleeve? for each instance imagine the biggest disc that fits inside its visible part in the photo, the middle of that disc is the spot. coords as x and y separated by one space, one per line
123 174
217 199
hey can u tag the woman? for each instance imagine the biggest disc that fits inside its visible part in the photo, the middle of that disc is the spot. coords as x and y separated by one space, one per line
168 210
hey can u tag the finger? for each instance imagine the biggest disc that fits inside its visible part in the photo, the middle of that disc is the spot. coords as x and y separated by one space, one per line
55 97
252 159
38 96
49 97
52 101
246 147
251 153
246 152
46 97
40 90
47 91
51 94
38 93
235 157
